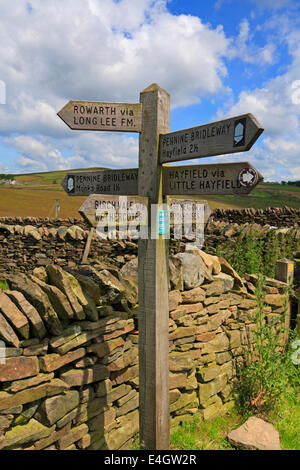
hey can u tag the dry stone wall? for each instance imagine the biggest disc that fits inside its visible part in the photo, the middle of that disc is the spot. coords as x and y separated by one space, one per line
279 217
69 380
25 246
44 222
275 216
219 235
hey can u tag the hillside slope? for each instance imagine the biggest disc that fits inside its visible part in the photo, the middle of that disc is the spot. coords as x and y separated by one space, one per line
35 195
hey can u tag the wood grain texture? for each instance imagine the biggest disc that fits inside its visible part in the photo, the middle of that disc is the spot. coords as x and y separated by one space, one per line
119 208
153 283
285 273
190 206
102 116
217 178
83 183
211 139
87 246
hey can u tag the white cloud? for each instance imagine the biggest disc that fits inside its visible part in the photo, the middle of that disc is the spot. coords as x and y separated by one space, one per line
277 158
31 165
245 49
108 50
100 50
87 150
273 4
54 51
275 107
272 106
279 152
29 146
274 157
126 15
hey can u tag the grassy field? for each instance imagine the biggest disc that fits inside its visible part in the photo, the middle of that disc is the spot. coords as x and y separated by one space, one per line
37 203
35 195
212 435
264 195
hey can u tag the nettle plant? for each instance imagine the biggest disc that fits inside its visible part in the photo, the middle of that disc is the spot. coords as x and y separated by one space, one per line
268 373
255 253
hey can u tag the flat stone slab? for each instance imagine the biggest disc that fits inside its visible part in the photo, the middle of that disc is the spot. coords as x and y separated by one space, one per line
18 368
257 434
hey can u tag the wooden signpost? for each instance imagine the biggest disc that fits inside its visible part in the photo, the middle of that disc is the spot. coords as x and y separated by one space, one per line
236 134
151 117
188 207
219 178
121 206
100 116
153 283
84 183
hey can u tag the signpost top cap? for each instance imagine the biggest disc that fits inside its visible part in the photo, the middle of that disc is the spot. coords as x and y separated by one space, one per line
154 87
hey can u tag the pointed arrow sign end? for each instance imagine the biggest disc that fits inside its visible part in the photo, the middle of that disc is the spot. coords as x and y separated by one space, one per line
257 130
63 114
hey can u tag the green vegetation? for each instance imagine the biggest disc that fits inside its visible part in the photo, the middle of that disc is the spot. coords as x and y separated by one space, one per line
212 435
3 285
291 183
257 252
205 435
268 374
267 386
263 196
287 422
3 176
41 186
44 180
197 434
279 185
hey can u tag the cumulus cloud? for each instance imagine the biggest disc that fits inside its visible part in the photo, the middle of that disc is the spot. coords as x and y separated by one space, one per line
279 152
245 48
56 51
108 50
277 158
276 105
87 150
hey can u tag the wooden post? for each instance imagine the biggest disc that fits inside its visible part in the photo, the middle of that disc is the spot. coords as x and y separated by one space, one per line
285 273
153 282
297 293
88 245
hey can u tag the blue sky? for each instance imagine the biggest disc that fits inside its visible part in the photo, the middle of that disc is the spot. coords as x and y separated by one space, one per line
217 58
